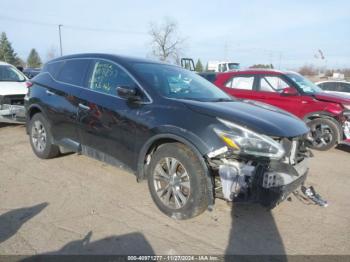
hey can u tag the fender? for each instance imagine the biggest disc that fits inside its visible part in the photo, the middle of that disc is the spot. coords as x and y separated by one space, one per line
318 114
38 107
199 151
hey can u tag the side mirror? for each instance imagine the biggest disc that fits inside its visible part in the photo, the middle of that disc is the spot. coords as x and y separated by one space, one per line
289 91
128 92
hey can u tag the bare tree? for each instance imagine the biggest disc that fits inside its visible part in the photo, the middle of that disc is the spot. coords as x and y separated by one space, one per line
51 53
166 43
308 70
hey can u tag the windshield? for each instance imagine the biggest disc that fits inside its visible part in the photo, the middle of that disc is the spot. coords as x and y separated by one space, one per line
233 66
306 85
175 82
9 73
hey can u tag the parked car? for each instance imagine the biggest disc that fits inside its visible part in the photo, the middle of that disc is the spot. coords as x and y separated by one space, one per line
188 138
13 88
335 87
327 115
31 72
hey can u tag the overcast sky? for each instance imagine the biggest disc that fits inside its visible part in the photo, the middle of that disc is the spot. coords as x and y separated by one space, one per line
285 33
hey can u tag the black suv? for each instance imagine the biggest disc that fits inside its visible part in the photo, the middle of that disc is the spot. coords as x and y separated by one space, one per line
189 139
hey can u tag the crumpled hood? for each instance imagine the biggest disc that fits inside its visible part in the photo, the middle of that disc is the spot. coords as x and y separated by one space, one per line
12 88
335 98
258 117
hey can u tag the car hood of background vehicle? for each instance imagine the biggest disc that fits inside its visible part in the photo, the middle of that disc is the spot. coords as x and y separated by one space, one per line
258 118
12 88
335 98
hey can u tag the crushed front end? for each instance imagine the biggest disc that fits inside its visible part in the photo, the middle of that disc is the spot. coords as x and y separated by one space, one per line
12 109
346 127
267 178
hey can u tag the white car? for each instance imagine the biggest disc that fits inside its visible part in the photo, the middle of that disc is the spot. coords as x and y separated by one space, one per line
13 89
335 87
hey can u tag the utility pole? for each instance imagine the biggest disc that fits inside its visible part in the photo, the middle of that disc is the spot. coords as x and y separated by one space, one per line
59 32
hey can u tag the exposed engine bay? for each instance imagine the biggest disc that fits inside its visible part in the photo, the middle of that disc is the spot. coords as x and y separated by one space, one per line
268 182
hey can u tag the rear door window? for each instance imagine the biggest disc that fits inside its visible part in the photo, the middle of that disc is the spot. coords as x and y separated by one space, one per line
74 71
241 82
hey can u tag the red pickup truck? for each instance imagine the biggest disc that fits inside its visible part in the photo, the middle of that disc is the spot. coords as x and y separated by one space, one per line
327 115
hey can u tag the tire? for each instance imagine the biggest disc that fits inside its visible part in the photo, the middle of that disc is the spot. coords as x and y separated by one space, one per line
187 188
324 134
41 138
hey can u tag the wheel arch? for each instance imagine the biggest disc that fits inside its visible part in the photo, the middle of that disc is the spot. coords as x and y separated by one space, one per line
315 115
154 142
31 111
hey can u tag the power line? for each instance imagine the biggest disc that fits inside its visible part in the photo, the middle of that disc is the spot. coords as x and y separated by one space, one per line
74 27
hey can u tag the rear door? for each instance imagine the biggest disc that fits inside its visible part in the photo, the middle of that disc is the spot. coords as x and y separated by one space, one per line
61 99
269 90
241 86
106 121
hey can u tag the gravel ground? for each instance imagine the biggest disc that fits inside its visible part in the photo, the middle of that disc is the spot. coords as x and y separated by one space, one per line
77 205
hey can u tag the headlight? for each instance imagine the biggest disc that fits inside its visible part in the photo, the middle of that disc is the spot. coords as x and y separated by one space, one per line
347 107
244 141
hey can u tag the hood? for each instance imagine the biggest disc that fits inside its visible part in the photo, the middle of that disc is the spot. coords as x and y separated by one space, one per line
13 88
258 117
332 97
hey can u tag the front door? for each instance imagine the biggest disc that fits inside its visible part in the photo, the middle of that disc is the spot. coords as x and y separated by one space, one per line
269 90
105 120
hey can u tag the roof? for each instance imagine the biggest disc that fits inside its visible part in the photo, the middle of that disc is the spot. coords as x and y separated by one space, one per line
113 57
257 71
4 63
333 81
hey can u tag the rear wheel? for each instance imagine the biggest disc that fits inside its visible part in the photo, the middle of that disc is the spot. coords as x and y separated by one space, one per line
177 181
40 138
324 134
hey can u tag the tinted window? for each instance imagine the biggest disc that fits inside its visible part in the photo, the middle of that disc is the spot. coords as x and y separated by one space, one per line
328 86
241 82
73 71
272 84
107 76
209 77
53 68
345 87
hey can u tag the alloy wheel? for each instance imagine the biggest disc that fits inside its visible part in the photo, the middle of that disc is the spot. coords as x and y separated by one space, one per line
172 183
39 136
321 135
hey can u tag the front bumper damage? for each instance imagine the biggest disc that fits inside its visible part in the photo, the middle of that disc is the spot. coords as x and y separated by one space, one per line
346 128
267 182
12 113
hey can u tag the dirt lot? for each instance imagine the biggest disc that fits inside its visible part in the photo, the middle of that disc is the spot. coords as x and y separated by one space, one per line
74 204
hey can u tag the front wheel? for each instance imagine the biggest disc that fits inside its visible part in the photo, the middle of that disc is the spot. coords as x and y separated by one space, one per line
177 181
324 134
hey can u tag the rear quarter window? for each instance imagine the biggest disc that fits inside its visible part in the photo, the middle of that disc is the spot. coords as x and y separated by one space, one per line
53 68
73 71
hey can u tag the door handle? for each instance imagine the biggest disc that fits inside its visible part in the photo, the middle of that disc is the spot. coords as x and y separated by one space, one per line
50 93
84 107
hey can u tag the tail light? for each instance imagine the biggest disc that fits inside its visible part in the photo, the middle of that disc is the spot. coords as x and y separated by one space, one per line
28 84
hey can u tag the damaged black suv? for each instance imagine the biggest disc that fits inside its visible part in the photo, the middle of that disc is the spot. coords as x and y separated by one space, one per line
190 140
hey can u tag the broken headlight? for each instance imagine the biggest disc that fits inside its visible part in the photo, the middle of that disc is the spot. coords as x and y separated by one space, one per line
244 141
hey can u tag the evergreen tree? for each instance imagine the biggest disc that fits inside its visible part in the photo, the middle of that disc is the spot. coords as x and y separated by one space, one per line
7 54
33 60
199 66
